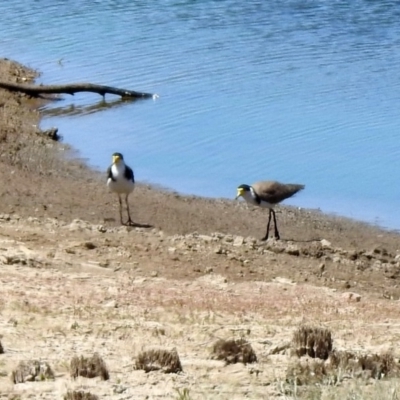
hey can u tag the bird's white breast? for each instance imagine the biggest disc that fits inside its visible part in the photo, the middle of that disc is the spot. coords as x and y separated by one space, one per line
250 198
120 184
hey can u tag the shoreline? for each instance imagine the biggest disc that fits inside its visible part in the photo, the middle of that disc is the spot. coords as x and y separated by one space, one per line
42 159
369 220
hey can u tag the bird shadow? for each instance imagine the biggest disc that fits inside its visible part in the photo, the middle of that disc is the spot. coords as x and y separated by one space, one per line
131 224
300 241
139 225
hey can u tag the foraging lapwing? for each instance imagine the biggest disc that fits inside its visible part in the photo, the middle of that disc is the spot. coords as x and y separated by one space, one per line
267 194
121 180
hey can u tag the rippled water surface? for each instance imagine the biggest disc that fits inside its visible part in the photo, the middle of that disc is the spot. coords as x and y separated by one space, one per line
298 91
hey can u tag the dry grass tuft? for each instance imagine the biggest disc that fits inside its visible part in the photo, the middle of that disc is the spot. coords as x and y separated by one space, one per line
89 367
314 342
342 364
341 359
380 365
30 371
375 366
307 373
159 360
233 351
80 395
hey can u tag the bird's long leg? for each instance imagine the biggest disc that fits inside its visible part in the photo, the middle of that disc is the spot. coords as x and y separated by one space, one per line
269 222
277 237
130 222
120 209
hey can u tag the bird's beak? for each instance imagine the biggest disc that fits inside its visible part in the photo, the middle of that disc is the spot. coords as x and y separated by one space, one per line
239 193
116 159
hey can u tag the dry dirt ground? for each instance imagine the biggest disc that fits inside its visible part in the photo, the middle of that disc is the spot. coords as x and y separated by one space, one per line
74 282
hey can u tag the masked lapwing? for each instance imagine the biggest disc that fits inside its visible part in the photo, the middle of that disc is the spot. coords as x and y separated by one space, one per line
120 180
267 194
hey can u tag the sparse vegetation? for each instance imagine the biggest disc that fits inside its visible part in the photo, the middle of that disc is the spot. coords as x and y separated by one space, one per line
183 394
30 371
80 395
159 360
89 367
342 365
233 351
312 341
376 366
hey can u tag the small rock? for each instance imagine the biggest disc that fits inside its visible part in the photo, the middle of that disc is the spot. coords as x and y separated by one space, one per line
3 260
5 217
293 250
218 250
51 133
124 229
326 243
380 250
369 255
205 238
238 241
101 228
353 255
280 348
377 265
78 225
351 296
154 274
119 389
250 240
286 281
111 304
208 270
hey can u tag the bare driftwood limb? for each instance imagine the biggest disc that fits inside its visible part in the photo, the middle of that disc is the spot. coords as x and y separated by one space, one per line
37 90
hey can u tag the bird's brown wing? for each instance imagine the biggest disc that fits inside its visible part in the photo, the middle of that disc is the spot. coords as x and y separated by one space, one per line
274 192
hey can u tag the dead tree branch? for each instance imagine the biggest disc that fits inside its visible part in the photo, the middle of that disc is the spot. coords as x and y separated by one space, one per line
37 90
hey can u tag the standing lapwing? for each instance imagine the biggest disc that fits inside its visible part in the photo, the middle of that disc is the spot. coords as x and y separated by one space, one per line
120 180
267 194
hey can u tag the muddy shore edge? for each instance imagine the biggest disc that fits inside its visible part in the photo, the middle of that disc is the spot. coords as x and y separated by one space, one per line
57 186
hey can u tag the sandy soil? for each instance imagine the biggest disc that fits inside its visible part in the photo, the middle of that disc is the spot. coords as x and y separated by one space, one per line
74 282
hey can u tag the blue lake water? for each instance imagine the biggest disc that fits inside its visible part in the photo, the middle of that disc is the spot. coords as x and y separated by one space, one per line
298 91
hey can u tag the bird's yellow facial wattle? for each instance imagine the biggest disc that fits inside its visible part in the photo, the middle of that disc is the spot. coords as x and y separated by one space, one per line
116 159
239 193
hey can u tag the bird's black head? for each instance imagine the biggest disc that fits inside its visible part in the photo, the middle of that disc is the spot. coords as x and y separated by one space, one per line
117 157
242 189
